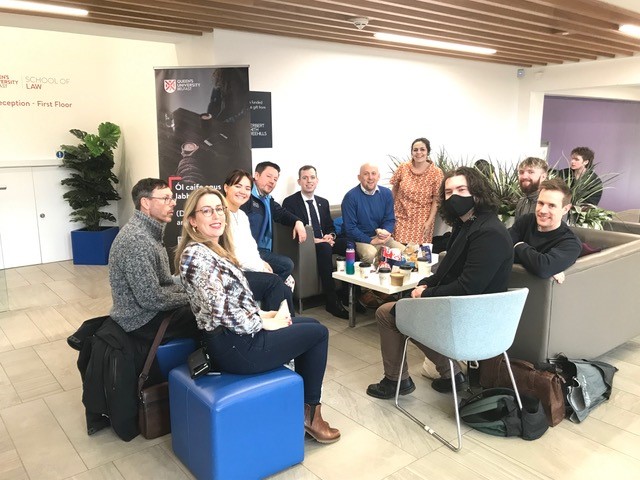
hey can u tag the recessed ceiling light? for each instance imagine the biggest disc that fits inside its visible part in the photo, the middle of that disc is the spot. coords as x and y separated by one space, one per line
632 30
42 8
389 37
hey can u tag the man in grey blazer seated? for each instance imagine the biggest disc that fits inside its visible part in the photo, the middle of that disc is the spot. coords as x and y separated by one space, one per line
314 210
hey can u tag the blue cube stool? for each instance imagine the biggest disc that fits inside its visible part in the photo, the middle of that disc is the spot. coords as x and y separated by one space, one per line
174 353
237 426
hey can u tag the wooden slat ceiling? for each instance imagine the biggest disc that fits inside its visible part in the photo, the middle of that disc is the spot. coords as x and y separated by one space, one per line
524 32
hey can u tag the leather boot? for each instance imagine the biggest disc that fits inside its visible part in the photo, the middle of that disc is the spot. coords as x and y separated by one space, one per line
318 428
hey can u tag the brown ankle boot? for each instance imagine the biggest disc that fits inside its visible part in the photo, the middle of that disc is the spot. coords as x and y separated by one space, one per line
318 428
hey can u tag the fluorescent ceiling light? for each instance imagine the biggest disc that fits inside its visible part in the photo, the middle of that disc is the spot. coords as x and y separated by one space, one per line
388 37
632 30
42 8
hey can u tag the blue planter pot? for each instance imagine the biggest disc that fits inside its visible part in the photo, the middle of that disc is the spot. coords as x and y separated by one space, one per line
92 247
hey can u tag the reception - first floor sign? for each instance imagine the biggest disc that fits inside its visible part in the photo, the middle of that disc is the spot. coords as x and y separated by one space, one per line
260 106
203 130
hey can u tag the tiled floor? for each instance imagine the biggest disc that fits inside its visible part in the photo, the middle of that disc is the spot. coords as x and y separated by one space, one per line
43 436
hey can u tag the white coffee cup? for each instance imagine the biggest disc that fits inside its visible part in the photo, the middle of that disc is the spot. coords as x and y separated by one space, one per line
341 265
424 267
384 275
365 269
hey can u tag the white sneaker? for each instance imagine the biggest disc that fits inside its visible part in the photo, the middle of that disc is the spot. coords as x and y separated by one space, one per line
429 369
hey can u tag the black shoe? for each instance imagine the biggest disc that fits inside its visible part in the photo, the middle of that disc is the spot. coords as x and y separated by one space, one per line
336 309
359 307
387 388
443 385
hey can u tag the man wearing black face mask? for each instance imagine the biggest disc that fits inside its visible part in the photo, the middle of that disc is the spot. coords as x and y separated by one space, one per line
478 260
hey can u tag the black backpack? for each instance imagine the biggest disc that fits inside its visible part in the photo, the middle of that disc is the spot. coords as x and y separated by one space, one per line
495 411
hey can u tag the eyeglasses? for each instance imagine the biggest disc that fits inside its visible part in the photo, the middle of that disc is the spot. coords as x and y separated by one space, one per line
165 200
208 211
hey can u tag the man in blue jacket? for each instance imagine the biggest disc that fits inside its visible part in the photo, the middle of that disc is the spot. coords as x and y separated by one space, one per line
263 210
367 212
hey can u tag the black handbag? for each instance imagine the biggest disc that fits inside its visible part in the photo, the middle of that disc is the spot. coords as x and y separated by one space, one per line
153 401
199 363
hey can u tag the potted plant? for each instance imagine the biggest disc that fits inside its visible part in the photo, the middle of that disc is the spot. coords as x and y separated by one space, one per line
91 187
504 182
583 213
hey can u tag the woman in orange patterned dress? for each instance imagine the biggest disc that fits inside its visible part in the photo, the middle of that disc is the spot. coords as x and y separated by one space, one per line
415 192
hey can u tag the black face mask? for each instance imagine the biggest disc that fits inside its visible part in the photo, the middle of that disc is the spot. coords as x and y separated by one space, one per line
458 206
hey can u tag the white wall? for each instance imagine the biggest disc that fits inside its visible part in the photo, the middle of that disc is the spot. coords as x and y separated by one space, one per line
110 79
334 106
338 106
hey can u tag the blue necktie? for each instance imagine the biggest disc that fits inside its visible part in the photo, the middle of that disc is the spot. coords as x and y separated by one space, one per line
315 223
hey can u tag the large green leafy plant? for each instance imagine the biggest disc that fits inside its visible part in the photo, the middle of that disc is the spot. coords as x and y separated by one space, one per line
91 187
582 213
441 160
504 182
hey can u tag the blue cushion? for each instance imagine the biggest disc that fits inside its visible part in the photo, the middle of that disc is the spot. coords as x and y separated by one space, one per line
338 223
174 353
237 426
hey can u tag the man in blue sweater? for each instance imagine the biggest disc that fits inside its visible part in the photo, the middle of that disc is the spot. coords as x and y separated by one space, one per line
367 212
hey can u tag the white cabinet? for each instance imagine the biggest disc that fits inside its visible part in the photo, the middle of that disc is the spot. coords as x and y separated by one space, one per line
34 218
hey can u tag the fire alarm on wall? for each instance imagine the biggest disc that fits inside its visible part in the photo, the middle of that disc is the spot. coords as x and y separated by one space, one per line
520 73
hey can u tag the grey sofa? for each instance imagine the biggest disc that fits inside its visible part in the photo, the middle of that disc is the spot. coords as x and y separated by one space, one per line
305 265
593 311
627 221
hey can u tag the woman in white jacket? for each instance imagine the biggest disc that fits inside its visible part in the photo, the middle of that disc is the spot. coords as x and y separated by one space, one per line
262 281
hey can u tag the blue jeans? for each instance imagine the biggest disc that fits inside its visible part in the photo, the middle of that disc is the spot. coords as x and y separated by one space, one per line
281 265
269 289
306 341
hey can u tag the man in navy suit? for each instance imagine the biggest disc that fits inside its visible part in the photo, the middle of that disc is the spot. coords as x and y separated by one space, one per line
314 211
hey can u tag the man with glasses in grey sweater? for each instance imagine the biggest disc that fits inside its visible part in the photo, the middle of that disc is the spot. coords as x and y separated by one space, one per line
142 288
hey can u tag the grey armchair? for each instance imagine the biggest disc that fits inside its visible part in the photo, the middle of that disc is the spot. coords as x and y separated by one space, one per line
305 264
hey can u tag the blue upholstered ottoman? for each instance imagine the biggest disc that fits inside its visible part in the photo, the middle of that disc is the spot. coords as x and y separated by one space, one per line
174 353
237 426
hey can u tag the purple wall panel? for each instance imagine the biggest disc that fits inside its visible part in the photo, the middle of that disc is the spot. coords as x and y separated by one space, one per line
611 128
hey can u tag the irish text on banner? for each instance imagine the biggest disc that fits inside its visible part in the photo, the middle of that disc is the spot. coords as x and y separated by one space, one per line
204 130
